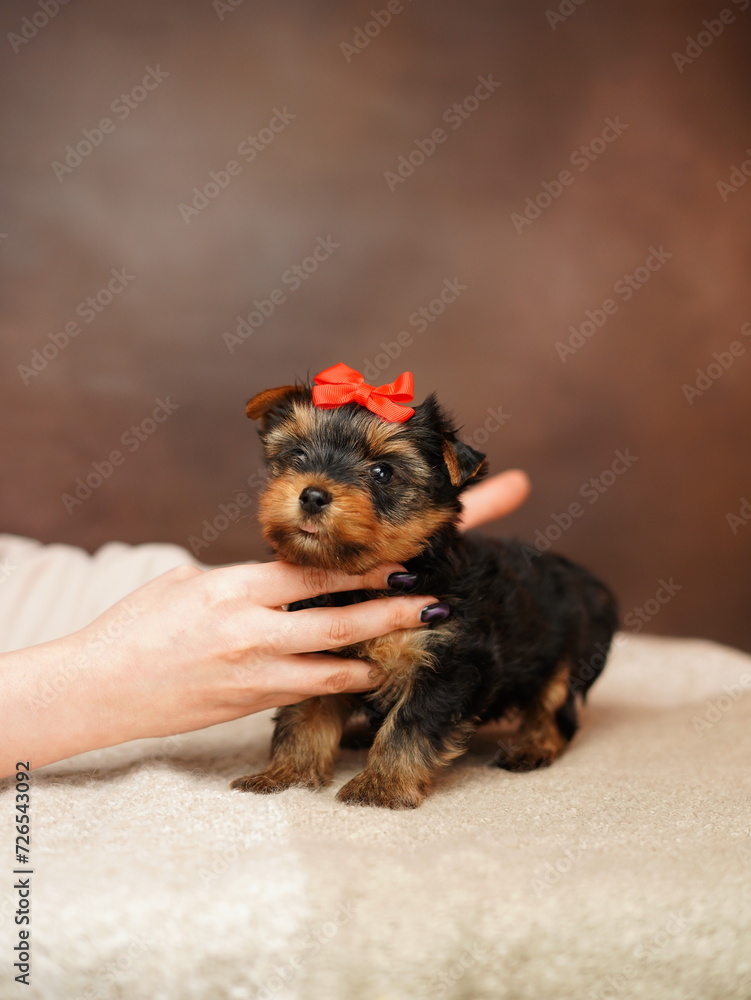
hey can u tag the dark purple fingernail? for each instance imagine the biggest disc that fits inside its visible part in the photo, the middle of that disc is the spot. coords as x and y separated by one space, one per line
435 612
402 581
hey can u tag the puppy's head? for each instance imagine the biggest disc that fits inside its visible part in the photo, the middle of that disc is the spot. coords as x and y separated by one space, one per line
349 490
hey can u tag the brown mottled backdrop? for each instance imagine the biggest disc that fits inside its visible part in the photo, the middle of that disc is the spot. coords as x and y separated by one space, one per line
331 118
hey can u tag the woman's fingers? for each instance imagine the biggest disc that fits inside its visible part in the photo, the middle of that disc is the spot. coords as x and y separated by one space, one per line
330 628
276 583
292 678
493 498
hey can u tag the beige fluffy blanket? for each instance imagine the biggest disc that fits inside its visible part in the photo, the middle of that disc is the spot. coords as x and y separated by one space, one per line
624 871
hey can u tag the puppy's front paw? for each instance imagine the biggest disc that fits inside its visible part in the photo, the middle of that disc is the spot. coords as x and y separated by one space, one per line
269 782
367 790
261 784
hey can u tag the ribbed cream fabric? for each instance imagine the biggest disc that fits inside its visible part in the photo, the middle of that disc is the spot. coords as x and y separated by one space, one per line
47 591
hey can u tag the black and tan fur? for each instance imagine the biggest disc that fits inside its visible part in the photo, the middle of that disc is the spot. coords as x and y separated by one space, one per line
527 633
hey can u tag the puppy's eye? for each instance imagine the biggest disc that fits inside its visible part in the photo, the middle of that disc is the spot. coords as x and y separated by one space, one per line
382 473
292 455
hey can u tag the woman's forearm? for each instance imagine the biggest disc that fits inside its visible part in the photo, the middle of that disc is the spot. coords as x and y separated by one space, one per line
54 704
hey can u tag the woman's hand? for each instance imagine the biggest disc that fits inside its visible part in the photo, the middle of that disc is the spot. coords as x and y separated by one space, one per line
193 648
187 650
494 497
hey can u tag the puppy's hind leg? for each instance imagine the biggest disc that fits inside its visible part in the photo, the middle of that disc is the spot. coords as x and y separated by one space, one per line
546 729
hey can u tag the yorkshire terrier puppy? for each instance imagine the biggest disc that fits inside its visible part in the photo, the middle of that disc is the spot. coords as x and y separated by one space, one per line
357 480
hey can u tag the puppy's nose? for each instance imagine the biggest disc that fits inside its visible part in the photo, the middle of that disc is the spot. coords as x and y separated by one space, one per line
313 499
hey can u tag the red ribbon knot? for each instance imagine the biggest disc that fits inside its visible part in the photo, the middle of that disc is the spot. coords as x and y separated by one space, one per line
341 384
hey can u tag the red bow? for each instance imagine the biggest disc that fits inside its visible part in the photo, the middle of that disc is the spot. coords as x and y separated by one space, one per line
341 384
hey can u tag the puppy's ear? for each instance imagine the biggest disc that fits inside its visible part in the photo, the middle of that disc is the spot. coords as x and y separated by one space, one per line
271 404
465 465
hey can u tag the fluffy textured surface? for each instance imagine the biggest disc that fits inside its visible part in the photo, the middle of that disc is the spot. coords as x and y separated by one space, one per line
622 871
